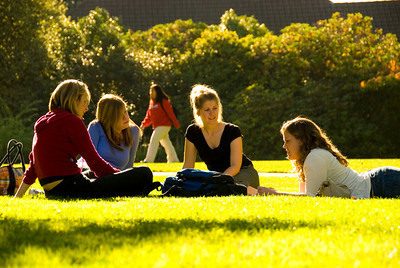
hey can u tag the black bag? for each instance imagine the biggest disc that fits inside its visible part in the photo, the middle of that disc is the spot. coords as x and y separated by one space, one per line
173 109
194 182
10 176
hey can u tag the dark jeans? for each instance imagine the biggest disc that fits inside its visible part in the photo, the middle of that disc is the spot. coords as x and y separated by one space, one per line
385 182
130 182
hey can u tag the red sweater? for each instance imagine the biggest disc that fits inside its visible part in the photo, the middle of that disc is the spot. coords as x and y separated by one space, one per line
59 137
158 116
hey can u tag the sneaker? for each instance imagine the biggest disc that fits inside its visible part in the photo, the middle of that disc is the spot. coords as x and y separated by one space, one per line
34 191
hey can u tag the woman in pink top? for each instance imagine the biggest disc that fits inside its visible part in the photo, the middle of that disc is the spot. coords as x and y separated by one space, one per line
60 136
160 114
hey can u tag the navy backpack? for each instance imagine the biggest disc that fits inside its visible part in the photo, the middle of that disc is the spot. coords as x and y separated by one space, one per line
195 182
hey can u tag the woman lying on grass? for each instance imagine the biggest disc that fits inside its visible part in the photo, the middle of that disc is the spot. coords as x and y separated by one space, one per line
59 137
218 143
316 160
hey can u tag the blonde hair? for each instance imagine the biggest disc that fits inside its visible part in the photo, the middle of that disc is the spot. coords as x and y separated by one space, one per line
67 94
311 136
198 96
109 113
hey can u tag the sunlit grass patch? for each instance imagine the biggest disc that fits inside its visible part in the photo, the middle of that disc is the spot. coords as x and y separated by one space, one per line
234 231
185 232
278 166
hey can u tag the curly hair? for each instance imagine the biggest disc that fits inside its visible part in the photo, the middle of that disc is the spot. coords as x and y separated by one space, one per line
311 136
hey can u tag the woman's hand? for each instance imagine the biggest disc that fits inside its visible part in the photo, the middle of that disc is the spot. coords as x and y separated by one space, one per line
266 191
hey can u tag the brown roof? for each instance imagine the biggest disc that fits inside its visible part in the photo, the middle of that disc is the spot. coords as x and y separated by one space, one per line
275 14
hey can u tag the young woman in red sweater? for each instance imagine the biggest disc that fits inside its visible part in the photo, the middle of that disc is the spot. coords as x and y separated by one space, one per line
60 136
160 114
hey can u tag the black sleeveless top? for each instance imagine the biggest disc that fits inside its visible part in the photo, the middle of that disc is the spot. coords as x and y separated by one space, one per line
219 158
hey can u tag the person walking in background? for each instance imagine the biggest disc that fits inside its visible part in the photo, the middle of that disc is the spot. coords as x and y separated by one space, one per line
160 114
218 143
59 137
316 160
114 135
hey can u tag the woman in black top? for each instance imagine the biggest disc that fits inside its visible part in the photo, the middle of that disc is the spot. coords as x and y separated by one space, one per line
218 143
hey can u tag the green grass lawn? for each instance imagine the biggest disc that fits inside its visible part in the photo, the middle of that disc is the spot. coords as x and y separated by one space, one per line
205 232
282 166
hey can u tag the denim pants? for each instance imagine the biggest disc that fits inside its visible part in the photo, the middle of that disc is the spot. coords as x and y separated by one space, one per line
129 182
385 182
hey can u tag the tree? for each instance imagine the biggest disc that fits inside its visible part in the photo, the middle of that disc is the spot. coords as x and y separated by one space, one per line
316 72
26 69
242 25
94 50
27 75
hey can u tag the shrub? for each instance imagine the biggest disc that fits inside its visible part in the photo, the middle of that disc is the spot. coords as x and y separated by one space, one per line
16 126
342 73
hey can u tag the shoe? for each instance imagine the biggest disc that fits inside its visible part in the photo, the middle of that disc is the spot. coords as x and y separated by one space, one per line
143 161
34 191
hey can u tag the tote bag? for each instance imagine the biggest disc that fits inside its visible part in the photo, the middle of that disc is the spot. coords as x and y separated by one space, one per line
330 189
11 176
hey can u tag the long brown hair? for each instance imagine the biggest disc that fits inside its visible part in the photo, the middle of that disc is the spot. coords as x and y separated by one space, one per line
160 93
311 136
109 113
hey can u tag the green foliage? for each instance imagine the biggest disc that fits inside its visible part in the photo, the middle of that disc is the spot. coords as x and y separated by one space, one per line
93 50
379 100
26 71
341 72
242 25
16 126
72 3
219 59
168 39
316 72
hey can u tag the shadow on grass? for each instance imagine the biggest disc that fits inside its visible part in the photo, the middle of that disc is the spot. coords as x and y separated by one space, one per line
19 234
